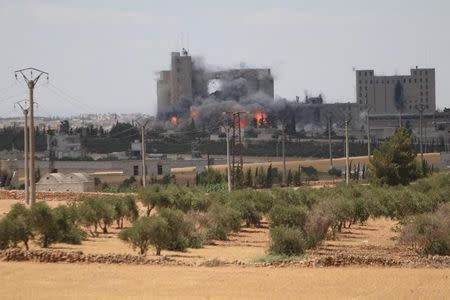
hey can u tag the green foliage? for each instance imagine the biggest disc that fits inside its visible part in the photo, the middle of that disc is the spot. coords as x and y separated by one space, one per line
240 201
44 224
288 215
153 196
124 208
97 211
147 231
65 218
394 162
311 173
178 231
333 171
210 176
221 220
16 227
429 233
286 241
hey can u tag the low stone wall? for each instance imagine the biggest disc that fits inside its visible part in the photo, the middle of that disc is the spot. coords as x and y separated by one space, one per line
339 260
58 256
48 196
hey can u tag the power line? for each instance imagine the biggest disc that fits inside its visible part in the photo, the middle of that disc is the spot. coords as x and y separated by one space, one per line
71 97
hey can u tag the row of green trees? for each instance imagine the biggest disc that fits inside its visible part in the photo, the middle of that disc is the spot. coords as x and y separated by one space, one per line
176 217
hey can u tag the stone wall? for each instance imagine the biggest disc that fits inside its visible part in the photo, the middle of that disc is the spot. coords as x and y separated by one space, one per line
48 196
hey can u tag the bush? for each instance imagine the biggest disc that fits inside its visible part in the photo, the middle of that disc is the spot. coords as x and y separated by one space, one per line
221 220
333 171
286 241
288 215
153 196
146 231
394 162
18 226
65 218
316 228
429 233
239 200
98 212
178 231
125 207
44 223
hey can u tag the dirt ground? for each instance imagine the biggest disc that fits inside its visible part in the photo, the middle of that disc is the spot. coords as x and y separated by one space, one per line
58 281
251 244
29 280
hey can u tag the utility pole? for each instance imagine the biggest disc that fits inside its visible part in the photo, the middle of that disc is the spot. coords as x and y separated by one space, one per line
283 149
227 133
368 132
329 139
420 108
31 83
236 169
25 153
347 154
143 151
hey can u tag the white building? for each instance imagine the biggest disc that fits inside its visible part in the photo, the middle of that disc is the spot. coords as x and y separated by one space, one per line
73 182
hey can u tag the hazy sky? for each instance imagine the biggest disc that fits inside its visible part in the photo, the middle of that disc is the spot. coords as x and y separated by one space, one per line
103 55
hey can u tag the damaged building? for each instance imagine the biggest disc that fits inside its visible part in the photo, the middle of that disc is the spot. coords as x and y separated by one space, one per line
188 83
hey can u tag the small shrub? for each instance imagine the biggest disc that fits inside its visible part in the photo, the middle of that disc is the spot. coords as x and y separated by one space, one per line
288 215
44 223
246 207
125 207
153 196
221 220
429 233
286 241
147 231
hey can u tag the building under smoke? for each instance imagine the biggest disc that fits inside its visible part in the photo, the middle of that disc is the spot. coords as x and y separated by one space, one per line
188 84
397 94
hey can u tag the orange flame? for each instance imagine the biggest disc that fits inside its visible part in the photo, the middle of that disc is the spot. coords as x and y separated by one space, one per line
260 118
174 120
243 123
194 114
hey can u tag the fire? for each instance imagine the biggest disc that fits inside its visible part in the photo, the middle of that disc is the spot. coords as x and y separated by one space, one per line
174 120
260 118
243 123
194 114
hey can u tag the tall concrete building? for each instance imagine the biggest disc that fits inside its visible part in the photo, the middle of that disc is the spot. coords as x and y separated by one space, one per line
175 84
398 93
184 80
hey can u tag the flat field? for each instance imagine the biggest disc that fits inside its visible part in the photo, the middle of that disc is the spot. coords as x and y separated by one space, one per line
60 281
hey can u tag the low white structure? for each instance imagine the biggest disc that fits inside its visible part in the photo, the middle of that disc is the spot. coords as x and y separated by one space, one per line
73 182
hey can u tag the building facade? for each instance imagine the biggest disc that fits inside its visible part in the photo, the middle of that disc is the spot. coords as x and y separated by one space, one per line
185 81
397 94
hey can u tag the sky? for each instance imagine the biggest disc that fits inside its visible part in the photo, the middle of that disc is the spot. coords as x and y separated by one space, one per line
103 56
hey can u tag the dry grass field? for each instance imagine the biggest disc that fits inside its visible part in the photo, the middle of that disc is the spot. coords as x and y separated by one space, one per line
59 281
29 280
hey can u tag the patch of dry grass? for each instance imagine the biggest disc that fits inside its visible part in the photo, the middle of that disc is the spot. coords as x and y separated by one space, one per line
59 281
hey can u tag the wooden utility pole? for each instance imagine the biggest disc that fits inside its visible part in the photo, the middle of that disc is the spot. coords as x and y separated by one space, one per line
283 149
420 108
368 133
347 155
226 127
31 83
329 139
25 153
143 152
227 130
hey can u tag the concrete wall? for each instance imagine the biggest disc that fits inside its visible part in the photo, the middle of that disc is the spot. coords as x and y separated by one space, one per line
66 187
